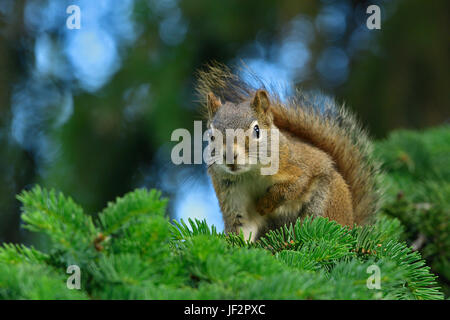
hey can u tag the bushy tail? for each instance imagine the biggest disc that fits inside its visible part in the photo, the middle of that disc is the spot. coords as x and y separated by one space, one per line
334 130
316 119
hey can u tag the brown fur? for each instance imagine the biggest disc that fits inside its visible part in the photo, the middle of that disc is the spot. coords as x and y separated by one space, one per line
325 167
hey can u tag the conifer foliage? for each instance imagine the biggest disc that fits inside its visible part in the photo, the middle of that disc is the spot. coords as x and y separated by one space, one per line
132 251
417 167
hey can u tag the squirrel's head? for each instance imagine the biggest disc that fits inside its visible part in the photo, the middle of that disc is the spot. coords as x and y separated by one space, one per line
243 129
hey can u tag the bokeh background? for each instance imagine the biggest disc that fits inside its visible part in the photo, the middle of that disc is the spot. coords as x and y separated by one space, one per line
90 111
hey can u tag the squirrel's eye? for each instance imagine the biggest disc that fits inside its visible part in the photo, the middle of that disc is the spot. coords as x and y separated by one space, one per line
211 135
256 129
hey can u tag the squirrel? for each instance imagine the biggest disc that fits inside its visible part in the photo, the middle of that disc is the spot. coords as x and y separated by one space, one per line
325 163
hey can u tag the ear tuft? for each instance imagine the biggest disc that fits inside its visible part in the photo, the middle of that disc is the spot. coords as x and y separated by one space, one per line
261 102
212 103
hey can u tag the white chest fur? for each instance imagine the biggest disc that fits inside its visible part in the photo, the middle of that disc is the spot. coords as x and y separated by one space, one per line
242 197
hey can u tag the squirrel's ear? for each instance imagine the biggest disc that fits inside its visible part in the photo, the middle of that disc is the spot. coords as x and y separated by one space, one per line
212 103
261 102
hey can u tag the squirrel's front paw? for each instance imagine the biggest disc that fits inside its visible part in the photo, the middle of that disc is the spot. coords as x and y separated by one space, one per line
265 206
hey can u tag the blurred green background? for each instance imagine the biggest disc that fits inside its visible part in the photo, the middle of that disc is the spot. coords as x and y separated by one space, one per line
90 111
